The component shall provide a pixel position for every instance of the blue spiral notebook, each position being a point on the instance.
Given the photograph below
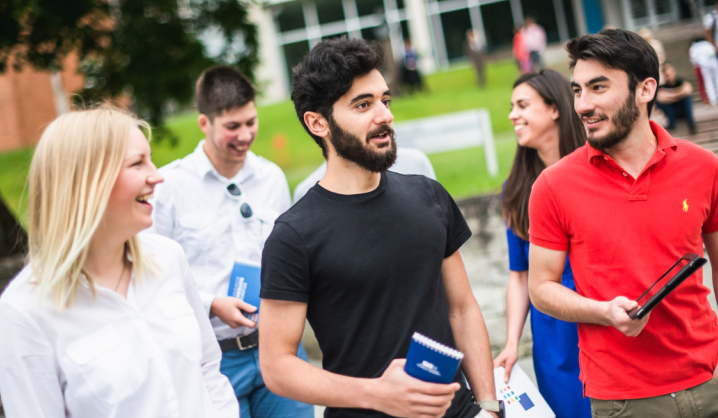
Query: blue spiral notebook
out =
(431, 361)
(244, 284)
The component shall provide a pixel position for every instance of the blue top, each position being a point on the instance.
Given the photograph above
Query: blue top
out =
(555, 350)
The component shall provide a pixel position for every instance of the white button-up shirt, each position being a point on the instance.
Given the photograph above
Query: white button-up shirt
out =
(193, 207)
(151, 355)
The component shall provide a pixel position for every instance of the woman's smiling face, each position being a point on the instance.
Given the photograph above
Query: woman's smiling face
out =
(535, 122)
(128, 210)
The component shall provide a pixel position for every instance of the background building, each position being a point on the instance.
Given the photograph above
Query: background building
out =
(288, 29)
(436, 28)
(29, 100)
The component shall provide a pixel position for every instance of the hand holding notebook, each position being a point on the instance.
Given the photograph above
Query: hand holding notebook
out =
(244, 284)
(397, 394)
(431, 361)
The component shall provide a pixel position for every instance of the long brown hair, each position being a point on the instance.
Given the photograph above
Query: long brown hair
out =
(555, 90)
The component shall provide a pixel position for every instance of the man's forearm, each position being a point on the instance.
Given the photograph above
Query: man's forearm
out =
(293, 378)
(563, 303)
(393, 393)
(682, 95)
(473, 340)
(668, 97)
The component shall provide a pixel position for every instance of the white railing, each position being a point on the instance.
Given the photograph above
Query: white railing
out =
(451, 131)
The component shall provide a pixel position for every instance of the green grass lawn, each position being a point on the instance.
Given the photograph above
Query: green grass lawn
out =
(463, 172)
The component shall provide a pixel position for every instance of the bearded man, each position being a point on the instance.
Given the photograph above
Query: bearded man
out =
(626, 207)
(369, 257)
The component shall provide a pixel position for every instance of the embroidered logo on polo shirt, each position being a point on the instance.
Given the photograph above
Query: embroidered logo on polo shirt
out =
(685, 205)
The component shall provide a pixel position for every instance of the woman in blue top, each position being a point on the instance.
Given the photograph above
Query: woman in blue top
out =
(548, 129)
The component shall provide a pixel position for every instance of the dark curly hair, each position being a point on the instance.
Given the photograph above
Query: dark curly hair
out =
(327, 73)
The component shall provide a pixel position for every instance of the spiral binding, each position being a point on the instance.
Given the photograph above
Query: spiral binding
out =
(437, 346)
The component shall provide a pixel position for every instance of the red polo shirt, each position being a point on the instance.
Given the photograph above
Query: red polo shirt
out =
(621, 235)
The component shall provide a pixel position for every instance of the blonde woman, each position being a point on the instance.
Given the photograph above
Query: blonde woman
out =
(104, 322)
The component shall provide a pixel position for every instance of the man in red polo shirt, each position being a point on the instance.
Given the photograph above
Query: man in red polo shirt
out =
(626, 207)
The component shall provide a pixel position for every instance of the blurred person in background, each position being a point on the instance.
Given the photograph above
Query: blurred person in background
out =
(657, 45)
(521, 55)
(674, 99)
(475, 51)
(548, 129)
(703, 56)
(411, 77)
(219, 203)
(534, 37)
(104, 322)
(710, 25)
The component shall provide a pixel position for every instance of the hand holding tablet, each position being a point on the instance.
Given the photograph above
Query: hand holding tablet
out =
(693, 263)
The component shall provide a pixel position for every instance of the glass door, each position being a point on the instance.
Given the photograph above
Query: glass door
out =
(651, 12)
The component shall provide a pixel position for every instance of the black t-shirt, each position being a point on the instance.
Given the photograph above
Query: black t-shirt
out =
(676, 83)
(369, 268)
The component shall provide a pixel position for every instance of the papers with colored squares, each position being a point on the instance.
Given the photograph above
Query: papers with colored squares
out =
(509, 396)
(521, 397)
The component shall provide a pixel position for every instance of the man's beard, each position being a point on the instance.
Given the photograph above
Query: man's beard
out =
(623, 124)
(350, 147)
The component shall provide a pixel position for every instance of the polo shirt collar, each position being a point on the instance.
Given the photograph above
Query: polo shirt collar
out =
(664, 139)
(200, 163)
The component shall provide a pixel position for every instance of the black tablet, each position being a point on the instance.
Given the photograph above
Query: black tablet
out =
(691, 263)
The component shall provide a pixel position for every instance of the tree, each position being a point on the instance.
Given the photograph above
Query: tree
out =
(148, 50)
(12, 237)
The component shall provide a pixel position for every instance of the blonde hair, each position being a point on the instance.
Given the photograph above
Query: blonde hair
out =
(73, 171)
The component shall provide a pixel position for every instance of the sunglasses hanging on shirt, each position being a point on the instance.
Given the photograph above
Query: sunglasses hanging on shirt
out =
(234, 191)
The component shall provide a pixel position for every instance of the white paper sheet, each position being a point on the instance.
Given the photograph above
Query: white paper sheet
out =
(521, 398)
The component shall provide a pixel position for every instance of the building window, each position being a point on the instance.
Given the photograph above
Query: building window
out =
(290, 17)
(544, 14)
(301, 24)
(373, 34)
(369, 7)
(329, 11)
(293, 54)
(639, 9)
(570, 21)
(498, 24)
(335, 36)
(455, 25)
(663, 7)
